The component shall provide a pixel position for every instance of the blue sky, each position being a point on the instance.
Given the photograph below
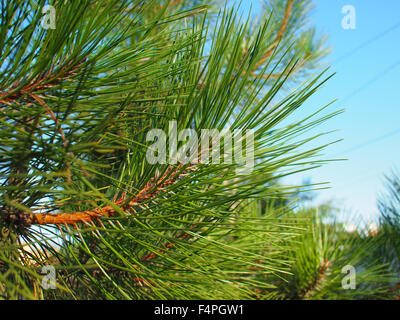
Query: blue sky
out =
(367, 86)
(367, 65)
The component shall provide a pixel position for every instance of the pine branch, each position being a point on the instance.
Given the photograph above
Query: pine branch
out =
(171, 237)
(153, 188)
(44, 81)
(281, 31)
(30, 92)
(318, 279)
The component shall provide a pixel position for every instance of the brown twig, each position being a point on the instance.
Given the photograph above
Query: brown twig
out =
(40, 82)
(282, 29)
(150, 190)
(318, 280)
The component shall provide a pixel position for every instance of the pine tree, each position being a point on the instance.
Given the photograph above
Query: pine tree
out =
(79, 92)
(389, 230)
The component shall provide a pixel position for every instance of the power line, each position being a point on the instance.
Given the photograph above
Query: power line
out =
(371, 81)
(371, 141)
(368, 83)
(367, 42)
(362, 145)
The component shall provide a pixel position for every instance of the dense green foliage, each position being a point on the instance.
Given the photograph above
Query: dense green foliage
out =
(78, 193)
